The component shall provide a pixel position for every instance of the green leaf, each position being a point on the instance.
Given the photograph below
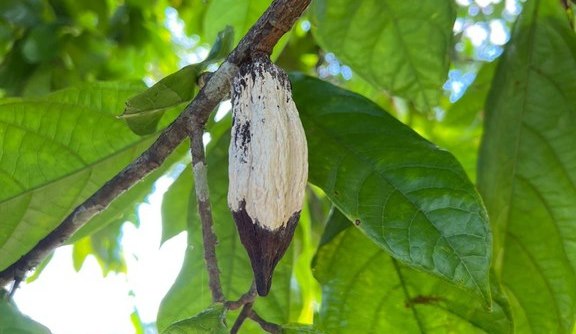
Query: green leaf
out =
(136, 320)
(41, 44)
(407, 195)
(14, 71)
(177, 200)
(222, 46)
(210, 320)
(56, 152)
(467, 110)
(241, 15)
(336, 223)
(176, 204)
(82, 248)
(144, 111)
(39, 269)
(192, 12)
(25, 13)
(401, 46)
(106, 246)
(128, 26)
(124, 208)
(6, 31)
(39, 83)
(14, 322)
(527, 169)
(300, 329)
(306, 290)
(367, 291)
(461, 129)
(190, 293)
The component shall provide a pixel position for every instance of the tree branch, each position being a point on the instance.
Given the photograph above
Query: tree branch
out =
(262, 37)
(204, 209)
(267, 326)
(246, 298)
(246, 310)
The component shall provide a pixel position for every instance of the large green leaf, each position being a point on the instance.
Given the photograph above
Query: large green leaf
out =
(190, 293)
(144, 111)
(177, 200)
(367, 291)
(12, 321)
(209, 321)
(300, 329)
(407, 195)
(105, 245)
(401, 46)
(176, 204)
(241, 15)
(527, 169)
(57, 151)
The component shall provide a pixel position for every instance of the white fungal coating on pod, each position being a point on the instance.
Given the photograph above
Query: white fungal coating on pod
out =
(268, 165)
(268, 154)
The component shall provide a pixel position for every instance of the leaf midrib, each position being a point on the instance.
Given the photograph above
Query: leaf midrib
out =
(87, 167)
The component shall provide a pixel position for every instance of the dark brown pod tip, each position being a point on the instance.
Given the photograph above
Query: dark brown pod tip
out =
(265, 247)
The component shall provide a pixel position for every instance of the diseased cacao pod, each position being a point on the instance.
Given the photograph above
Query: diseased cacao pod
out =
(268, 165)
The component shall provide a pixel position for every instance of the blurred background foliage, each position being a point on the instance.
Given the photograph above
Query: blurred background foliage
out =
(46, 45)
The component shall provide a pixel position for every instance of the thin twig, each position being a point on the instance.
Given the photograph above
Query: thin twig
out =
(245, 313)
(204, 209)
(262, 37)
(246, 298)
(15, 286)
(267, 326)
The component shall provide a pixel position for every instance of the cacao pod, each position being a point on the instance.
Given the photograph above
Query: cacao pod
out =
(268, 165)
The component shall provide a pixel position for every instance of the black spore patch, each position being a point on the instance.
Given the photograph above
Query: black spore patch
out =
(256, 67)
(265, 247)
(241, 138)
(245, 136)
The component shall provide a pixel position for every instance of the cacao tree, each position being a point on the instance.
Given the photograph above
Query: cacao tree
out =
(441, 176)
